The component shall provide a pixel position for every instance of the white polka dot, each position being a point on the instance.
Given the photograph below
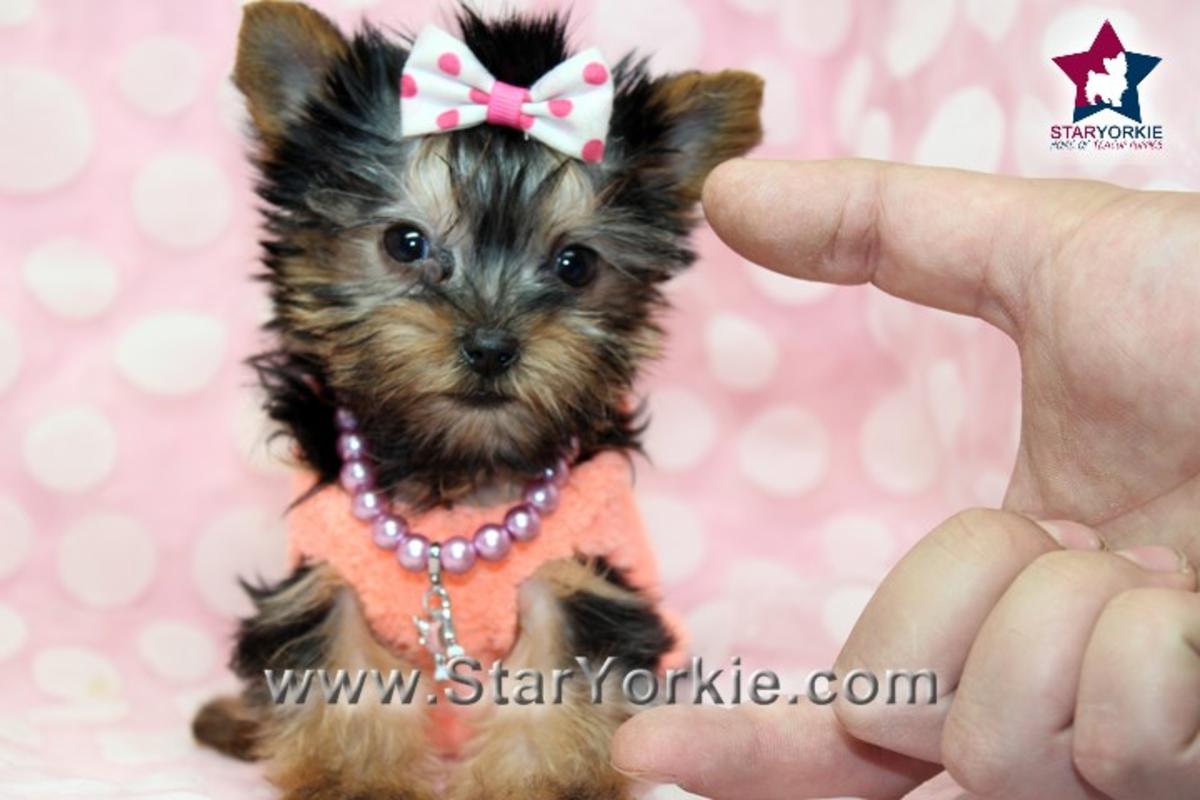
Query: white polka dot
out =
(771, 596)
(161, 75)
(842, 609)
(182, 200)
(76, 673)
(784, 450)
(786, 290)
(898, 446)
(990, 487)
(231, 107)
(947, 398)
(889, 319)
(713, 627)
(97, 710)
(252, 432)
(16, 12)
(46, 133)
(851, 98)
(781, 100)
(107, 560)
(916, 33)
(668, 30)
(757, 6)
(966, 132)
(678, 534)
(173, 783)
(19, 730)
(958, 324)
(992, 18)
(16, 536)
(874, 135)
(682, 429)
(741, 354)
(13, 632)
(53, 786)
(858, 546)
(71, 449)
(177, 650)
(142, 748)
(68, 788)
(242, 543)
(815, 29)
(1033, 121)
(672, 793)
(1165, 184)
(10, 353)
(70, 278)
(172, 353)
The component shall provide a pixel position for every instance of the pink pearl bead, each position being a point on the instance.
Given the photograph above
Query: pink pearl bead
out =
(367, 505)
(388, 531)
(413, 552)
(351, 446)
(542, 496)
(458, 555)
(492, 542)
(356, 476)
(522, 523)
(556, 474)
(345, 420)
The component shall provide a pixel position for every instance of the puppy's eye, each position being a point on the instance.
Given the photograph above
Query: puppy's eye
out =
(405, 243)
(575, 265)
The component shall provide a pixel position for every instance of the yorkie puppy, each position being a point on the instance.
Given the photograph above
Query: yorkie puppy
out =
(466, 241)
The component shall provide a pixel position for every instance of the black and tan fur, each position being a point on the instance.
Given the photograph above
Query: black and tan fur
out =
(385, 338)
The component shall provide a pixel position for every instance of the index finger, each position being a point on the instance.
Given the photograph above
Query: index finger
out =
(955, 240)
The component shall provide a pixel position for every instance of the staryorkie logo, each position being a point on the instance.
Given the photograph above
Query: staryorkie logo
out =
(1106, 77)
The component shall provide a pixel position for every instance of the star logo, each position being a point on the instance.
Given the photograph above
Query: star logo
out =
(1106, 75)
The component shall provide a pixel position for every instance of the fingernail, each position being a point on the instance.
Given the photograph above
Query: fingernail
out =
(1156, 558)
(1072, 535)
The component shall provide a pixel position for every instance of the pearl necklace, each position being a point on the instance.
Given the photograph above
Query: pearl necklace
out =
(457, 555)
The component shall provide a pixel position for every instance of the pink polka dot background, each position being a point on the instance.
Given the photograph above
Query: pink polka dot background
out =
(804, 436)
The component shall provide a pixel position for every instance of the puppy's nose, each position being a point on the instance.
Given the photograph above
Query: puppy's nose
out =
(490, 352)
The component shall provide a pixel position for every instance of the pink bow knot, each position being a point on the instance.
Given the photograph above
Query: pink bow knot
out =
(504, 106)
(444, 87)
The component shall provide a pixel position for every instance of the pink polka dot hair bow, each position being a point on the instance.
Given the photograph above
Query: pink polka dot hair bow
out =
(445, 88)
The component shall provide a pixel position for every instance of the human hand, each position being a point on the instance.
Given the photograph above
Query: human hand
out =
(1096, 286)
(1064, 671)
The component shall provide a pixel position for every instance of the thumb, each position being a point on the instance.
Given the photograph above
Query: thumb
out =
(760, 753)
(960, 241)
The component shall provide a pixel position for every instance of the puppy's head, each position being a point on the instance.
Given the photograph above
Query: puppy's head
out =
(476, 298)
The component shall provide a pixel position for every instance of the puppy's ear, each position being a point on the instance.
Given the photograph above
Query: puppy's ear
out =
(706, 118)
(285, 50)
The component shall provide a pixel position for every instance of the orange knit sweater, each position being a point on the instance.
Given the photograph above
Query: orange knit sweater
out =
(597, 516)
